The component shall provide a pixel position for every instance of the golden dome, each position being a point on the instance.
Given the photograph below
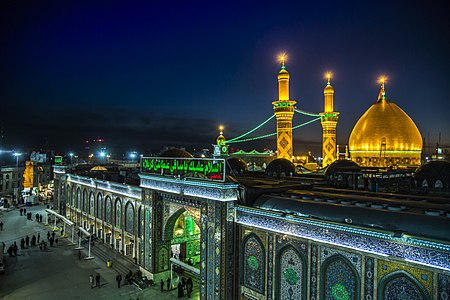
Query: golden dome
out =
(385, 135)
(220, 140)
(283, 74)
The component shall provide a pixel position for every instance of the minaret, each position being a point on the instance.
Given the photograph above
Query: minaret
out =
(284, 111)
(329, 119)
(221, 143)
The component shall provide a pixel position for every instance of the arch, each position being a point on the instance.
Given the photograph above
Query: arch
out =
(118, 213)
(91, 206)
(69, 195)
(168, 228)
(339, 279)
(401, 285)
(291, 274)
(78, 205)
(424, 183)
(108, 210)
(129, 217)
(254, 263)
(100, 206)
(438, 184)
(84, 207)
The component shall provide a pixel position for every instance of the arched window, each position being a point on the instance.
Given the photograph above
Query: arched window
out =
(118, 215)
(339, 279)
(91, 204)
(401, 285)
(84, 208)
(129, 220)
(79, 198)
(69, 196)
(254, 263)
(100, 206)
(108, 210)
(438, 184)
(291, 275)
(424, 183)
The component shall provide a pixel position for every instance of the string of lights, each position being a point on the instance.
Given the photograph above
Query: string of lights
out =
(306, 113)
(256, 128)
(270, 134)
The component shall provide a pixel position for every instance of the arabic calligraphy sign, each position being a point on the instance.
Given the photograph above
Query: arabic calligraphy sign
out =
(198, 168)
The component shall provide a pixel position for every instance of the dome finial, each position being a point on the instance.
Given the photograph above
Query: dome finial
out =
(221, 129)
(282, 59)
(382, 94)
(328, 76)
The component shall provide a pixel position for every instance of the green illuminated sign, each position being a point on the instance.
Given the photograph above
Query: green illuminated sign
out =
(58, 159)
(199, 168)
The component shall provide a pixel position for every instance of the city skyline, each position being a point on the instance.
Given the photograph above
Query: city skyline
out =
(150, 75)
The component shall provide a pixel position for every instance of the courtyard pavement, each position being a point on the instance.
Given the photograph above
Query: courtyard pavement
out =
(58, 273)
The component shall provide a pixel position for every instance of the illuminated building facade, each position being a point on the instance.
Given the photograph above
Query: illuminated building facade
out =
(284, 112)
(329, 119)
(385, 136)
(265, 240)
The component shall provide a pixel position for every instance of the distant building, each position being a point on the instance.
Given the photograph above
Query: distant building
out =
(11, 181)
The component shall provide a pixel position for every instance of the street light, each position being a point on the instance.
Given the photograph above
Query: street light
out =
(17, 154)
(71, 155)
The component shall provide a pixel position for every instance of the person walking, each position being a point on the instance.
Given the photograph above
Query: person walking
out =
(22, 244)
(51, 241)
(21, 211)
(91, 281)
(38, 237)
(180, 290)
(162, 285)
(48, 235)
(97, 280)
(118, 279)
(33, 240)
(27, 241)
(1, 225)
(168, 283)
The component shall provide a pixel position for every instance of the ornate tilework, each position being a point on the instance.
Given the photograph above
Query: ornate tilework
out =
(270, 267)
(369, 279)
(339, 279)
(108, 210)
(313, 280)
(254, 263)
(129, 221)
(353, 258)
(291, 271)
(401, 286)
(443, 287)
(423, 277)
(413, 249)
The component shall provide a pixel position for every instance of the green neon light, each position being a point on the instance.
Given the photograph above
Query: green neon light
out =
(272, 134)
(58, 159)
(306, 113)
(210, 168)
(256, 128)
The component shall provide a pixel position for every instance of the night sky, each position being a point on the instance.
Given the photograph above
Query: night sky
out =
(146, 74)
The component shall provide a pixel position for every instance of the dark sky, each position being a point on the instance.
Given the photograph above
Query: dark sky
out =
(146, 74)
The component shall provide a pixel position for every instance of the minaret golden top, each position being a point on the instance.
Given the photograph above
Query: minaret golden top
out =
(382, 94)
(328, 76)
(221, 129)
(282, 59)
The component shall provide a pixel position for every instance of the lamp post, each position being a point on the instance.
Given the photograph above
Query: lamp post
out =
(71, 156)
(17, 154)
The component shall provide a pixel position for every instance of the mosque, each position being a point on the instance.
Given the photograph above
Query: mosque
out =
(276, 235)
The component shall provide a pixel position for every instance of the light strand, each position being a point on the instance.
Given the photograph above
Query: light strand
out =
(257, 127)
(306, 113)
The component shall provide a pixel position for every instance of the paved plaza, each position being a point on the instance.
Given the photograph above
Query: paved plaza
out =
(58, 273)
